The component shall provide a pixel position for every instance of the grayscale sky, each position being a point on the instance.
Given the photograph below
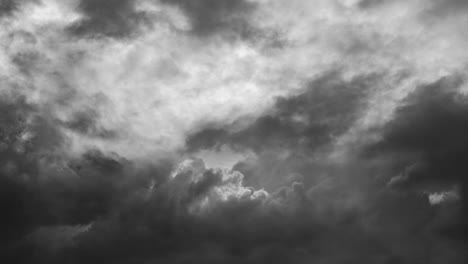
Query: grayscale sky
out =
(233, 131)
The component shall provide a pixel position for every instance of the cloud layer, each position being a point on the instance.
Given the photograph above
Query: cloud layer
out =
(344, 121)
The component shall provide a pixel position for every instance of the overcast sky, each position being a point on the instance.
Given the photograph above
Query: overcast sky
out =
(233, 131)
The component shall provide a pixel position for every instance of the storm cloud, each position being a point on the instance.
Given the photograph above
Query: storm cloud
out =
(243, 131)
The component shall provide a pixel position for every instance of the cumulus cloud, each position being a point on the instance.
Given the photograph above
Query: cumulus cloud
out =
(243, 131)
(200, 214)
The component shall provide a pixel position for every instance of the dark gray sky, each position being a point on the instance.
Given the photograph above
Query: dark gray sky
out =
(233, 131)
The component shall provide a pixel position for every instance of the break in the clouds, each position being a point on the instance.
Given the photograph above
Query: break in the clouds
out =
(241, 131)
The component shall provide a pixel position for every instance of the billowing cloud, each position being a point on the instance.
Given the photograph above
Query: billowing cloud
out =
(243, 131)
(428, 135)
(326, 109)
(200, 214)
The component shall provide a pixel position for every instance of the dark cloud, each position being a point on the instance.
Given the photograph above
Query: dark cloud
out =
(298, 129)
(87, 123)
(69, 193)
(8, 6)
(25, 141)
(369, 3)
(115, 18)
(431, 125)
(158, 225)
(428, 133)
(288, 202)
(101, 207)
(324, 111)
(430, 11)
(41, 187)
(25, 136)
(213, 16)
(444, 9)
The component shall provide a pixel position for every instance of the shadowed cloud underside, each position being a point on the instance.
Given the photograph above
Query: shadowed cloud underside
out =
(233, 131)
